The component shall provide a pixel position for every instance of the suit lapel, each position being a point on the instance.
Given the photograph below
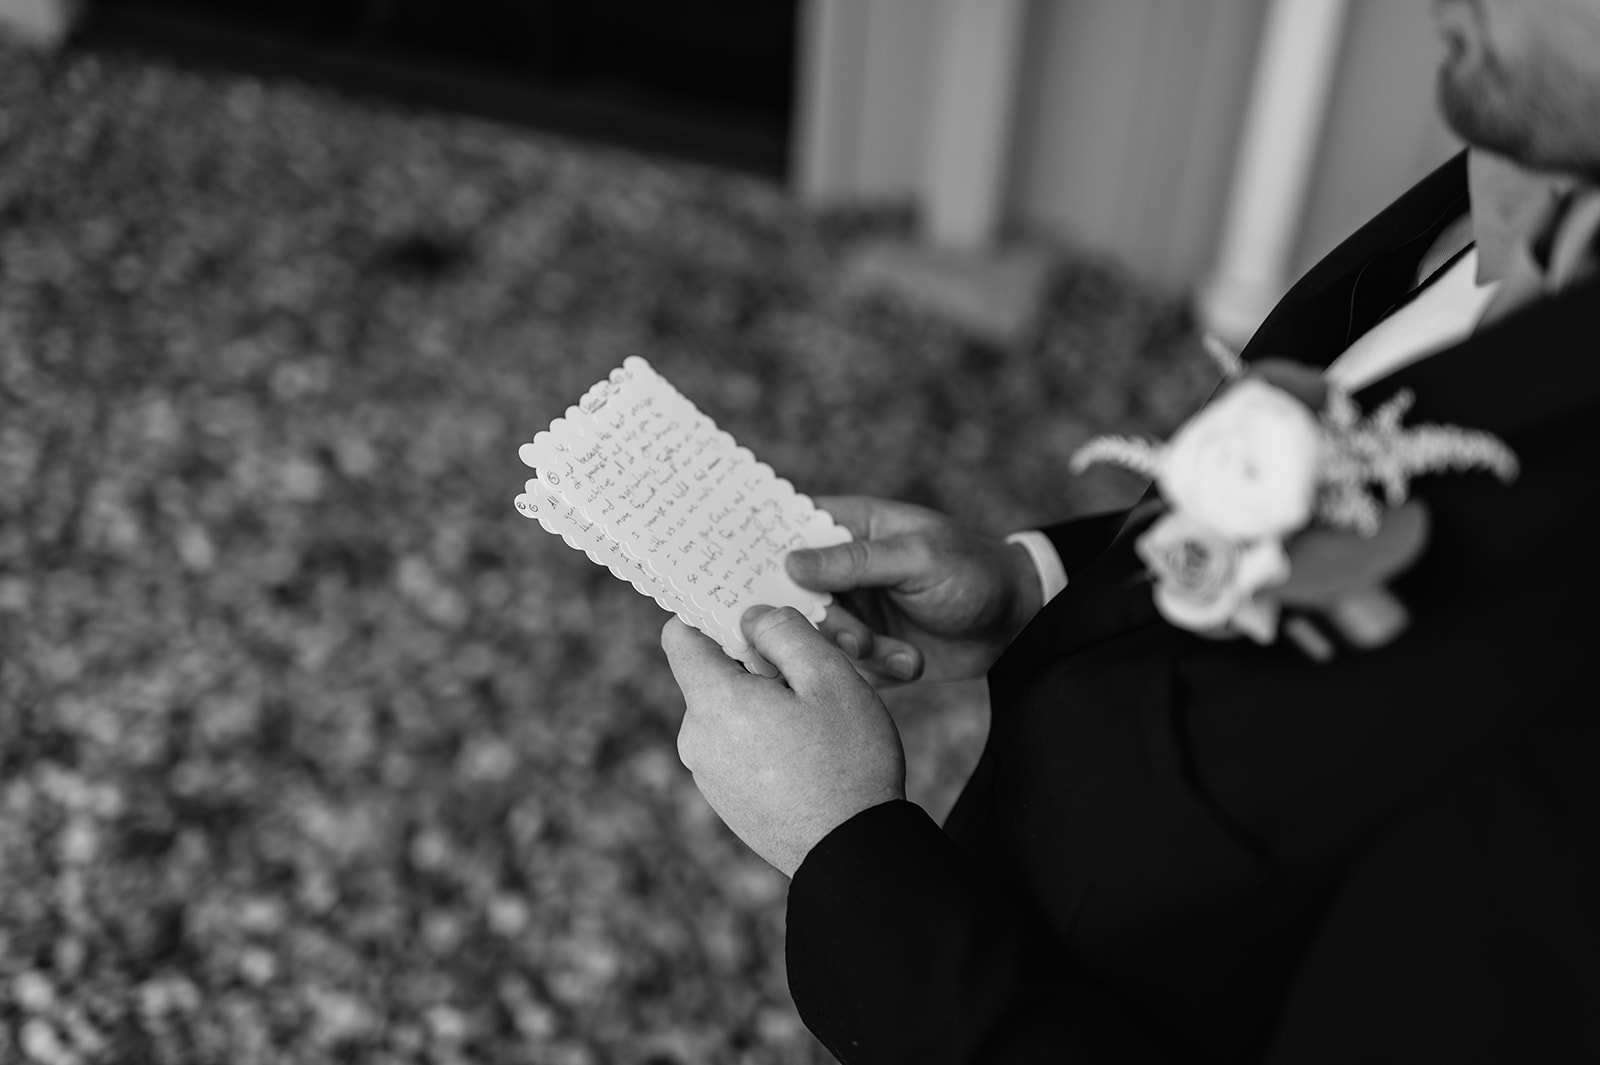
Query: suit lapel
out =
(1346, 291)
(1529, 370)
(1531, 379)
(1355, 284)
(1533, 368)
(1108, 598)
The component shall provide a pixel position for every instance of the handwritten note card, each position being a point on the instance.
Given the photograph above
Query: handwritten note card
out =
(636, 477)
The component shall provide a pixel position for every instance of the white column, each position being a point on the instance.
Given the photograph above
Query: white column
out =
(968, 135)
(1283, 128)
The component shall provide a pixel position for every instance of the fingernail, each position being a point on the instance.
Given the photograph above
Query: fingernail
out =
(751, 616)
(849, 644)
(800, 561)
(900, 664)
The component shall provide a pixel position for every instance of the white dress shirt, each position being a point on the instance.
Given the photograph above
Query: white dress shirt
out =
(1440, 316)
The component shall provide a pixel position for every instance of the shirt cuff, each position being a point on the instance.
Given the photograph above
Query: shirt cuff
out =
(1052, 574)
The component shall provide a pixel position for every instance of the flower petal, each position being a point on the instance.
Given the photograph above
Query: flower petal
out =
(1246, 465)
(1258, 619)
(1262, 565)
(1194, 614)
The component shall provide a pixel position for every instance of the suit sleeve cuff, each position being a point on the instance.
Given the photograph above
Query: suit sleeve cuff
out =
(1046, 561)
(885, 919)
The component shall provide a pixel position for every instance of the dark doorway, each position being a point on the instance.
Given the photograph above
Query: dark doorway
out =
(708, 80)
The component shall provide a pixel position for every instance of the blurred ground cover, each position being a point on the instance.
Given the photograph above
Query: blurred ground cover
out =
(311, 748)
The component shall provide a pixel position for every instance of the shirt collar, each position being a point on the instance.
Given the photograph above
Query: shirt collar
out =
(1508, 203)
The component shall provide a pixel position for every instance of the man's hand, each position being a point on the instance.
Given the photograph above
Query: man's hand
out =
(782, 761)
(918, 595)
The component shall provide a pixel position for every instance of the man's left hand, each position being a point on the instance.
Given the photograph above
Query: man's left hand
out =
(786, 760)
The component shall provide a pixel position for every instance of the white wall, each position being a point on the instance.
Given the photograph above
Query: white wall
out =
(1127, 121)
(1384, 132)
(1130, 112)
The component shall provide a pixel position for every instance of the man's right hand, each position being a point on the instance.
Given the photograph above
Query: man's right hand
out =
(917, 596)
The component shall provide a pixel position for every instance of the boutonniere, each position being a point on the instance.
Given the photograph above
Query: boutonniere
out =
(1281, 493)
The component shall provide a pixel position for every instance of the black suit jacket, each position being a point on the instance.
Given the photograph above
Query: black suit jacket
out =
(1176, 849)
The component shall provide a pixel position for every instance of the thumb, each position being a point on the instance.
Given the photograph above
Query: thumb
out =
(697, 661)
(785, 638)
(857, 564)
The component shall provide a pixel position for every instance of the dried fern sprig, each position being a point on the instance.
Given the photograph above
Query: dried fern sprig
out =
(1392, 458)
(1226, 358)
(1348, 505)
(1378, 450)
(1134, 453)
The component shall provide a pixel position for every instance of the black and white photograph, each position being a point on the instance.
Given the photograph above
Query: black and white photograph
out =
(782, 532)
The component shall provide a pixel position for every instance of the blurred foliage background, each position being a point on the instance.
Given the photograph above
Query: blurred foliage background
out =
(311, 748)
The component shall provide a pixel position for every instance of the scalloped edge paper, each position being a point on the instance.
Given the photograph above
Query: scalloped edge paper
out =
(589, 482)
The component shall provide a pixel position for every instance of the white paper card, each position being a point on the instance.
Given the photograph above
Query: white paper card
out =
(644, 483)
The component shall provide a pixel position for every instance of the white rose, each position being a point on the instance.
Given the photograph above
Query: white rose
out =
(1207, 582)
(1247, 464)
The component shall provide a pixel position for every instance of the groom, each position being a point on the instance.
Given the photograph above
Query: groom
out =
(1179, 848)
